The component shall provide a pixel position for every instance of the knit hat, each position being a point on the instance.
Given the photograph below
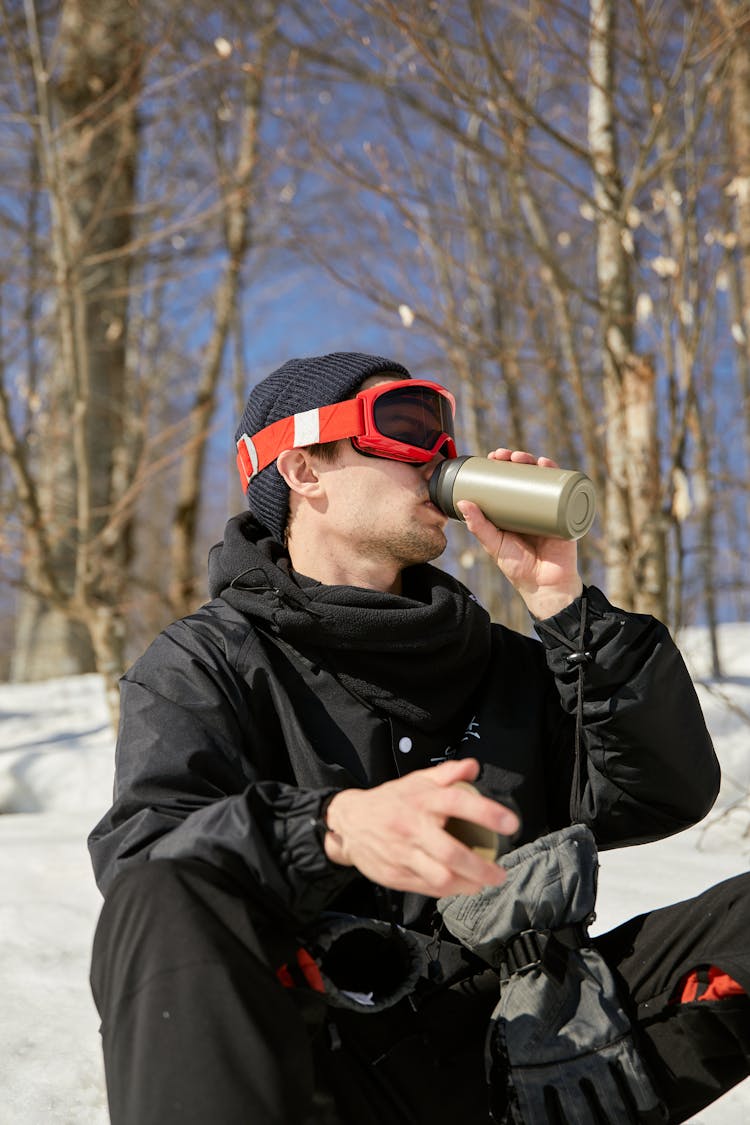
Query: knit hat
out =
(300, 384)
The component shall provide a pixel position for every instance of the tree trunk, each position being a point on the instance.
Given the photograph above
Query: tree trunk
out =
(635, 551)
(237, 224)
(615, 297)
(644, 489)
(87, 137)
(735, 16)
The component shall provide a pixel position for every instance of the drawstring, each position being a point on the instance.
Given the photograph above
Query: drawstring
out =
(578, 658)
(255, 580)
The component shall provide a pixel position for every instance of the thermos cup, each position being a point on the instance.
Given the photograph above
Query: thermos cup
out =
(486, 843)
(528, 499)
(483, 841)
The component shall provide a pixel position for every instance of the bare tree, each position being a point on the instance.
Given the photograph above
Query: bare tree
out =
(530, 200)
(636, 565)
(735, 19)
(236, 221)
(119, 379)
(85, 133)
(561, 122)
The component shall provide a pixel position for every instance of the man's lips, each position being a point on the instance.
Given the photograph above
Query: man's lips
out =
(434, 508)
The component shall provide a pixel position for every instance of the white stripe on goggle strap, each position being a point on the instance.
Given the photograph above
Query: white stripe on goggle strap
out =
(252, 453)
(306, 428)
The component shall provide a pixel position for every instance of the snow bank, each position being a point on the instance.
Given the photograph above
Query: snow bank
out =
(56, 759)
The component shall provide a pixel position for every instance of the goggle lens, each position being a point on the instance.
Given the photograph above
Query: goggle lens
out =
(413, 415)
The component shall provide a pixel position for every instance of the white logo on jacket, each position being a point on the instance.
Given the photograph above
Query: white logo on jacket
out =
(472, 731)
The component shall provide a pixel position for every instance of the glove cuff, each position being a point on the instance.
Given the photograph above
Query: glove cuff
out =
(365, 965)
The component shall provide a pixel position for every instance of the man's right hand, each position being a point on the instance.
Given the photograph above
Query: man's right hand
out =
(394, 834)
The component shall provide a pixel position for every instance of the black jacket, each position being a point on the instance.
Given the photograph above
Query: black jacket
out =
(240, 719)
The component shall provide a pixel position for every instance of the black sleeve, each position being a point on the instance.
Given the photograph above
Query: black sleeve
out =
(648, 762)
(188, 783)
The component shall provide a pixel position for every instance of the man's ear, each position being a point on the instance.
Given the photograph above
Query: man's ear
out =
(297, 469)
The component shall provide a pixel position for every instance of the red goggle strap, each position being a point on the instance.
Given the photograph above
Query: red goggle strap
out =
(309, 427)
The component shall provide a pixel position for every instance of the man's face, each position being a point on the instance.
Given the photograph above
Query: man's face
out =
(381, 509)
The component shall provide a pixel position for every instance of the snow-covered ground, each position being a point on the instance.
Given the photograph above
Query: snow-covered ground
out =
(55, 779)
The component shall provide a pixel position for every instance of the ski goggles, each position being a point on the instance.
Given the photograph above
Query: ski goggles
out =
(411, 420)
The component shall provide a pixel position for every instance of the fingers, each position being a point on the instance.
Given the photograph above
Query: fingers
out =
(395, 833)
(448, 773)
(521, 457)
(437, 792)
(468, 804)
(446, 867)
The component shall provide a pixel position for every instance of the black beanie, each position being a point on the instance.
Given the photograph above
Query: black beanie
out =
(300, 384)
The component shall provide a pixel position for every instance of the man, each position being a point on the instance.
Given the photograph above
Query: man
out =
(288, 762)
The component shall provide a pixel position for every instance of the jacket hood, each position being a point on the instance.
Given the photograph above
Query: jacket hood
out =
(251, 570)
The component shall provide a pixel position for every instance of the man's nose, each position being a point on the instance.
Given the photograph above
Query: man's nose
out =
(429, 467)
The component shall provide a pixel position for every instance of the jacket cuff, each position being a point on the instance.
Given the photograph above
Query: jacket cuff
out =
(315, 879)
(568, 620)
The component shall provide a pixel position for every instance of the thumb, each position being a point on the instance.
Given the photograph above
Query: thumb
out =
(489, 536)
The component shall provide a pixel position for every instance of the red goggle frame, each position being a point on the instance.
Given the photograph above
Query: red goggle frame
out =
(410, 420)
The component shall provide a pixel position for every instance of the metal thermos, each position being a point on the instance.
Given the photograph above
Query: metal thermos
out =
(483, 841)
(529, 499)
(486, 843)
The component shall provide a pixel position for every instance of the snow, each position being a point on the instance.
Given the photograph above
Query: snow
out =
(56, 759)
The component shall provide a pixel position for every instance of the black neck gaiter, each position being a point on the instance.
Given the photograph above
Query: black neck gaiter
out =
(418, 656)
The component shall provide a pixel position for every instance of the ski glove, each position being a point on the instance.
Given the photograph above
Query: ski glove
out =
(560, 1048)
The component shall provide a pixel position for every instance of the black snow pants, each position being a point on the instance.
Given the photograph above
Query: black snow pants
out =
(198, 1030)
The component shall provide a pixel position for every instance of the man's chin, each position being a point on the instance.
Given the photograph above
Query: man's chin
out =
(429, 547)
(408, 547)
